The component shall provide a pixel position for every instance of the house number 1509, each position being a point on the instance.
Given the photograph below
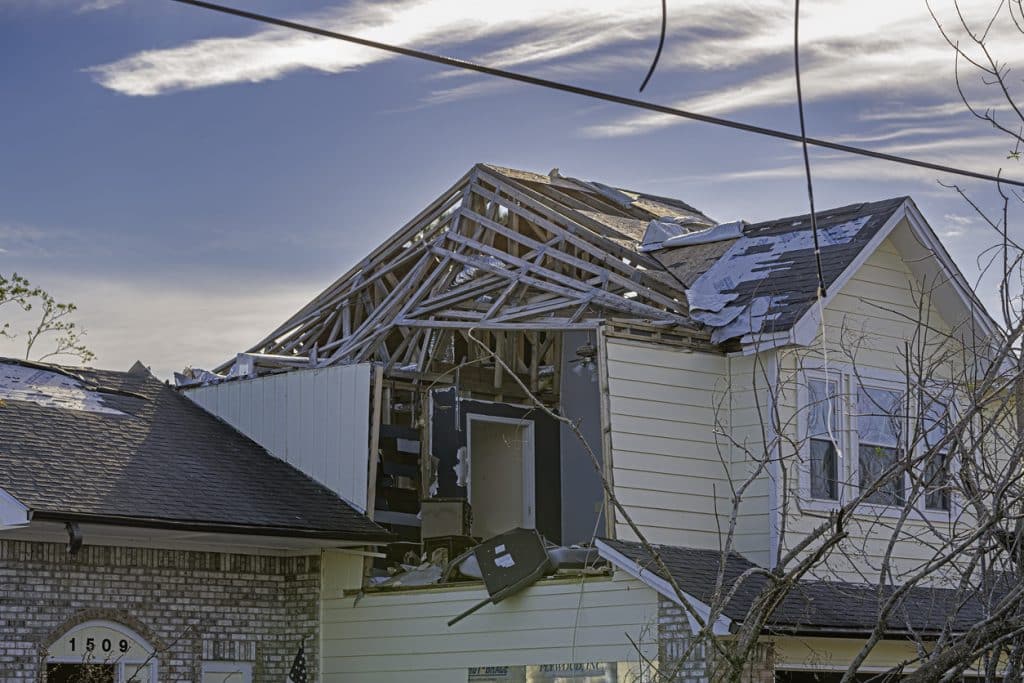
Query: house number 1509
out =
(105, 645)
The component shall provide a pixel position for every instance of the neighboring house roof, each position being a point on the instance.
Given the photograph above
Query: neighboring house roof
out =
(810, 607)
(504, 249)
(124, 448)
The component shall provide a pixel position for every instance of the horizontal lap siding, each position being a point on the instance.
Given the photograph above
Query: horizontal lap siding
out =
(670, 468)
(750, 415)
(403, 636)
(869, 319)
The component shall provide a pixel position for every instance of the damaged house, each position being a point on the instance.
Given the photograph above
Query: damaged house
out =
(528, 344)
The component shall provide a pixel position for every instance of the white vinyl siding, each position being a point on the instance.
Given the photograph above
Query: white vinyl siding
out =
(403, 635)
(315, 420)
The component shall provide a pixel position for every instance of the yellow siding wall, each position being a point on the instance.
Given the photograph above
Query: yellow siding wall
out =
(674, 466)
(750, 411)
(403, 636)
(670, 468)
(870, 319)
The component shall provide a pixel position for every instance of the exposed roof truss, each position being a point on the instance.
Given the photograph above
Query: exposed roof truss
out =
(500, 250)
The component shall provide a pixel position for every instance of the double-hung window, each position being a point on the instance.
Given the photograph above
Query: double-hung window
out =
(879, 430)
(935, 417)
(823, 425)
(869, 419)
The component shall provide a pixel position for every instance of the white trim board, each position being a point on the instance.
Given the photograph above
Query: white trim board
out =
(13, 513)
(917, 247)
(722, 625)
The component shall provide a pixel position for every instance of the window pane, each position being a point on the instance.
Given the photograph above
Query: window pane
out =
(936, 424)
(936, 480)
(821, 408)
(824, 468)
(878, 416)
(874, 461)
(74, 673)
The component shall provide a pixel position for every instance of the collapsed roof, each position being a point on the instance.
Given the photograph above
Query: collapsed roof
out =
(78, 444)
(512, 250)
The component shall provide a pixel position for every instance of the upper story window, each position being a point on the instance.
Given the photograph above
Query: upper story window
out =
(879, 431)
(857, 431)
(822, 425)
(937, 463)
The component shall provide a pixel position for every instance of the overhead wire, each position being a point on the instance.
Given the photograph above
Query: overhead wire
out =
(821, 290)
(661, 45)
(598, 94)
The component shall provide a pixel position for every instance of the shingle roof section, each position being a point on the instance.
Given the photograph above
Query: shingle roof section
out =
(765, 281)
(162, 461)
(812, 605)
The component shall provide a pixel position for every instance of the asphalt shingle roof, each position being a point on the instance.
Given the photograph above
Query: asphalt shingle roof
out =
(163, 461)
(786, 277)
(830, 606)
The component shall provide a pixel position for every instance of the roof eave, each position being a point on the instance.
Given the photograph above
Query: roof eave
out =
(369, 537)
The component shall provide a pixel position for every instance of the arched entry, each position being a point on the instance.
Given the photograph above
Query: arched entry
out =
(101, 651)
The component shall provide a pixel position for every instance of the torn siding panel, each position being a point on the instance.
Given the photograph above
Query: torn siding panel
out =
(669, 468)
(315, 420)
(402, 635)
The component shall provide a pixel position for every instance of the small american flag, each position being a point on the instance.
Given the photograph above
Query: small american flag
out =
(297, 674)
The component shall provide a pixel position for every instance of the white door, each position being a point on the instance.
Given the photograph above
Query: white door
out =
(501, 491)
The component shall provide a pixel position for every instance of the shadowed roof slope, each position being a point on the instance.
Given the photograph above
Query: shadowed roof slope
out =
(122, 447)
(812, 606)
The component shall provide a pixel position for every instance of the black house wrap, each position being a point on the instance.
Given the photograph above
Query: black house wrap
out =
(447, 438)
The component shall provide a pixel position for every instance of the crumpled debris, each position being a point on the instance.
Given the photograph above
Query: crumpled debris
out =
(195, 376)
(461, 467)
(413, 575)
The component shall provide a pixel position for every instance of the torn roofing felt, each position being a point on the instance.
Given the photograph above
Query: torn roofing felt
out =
(122, 447)
(765, 280)
(811, 606)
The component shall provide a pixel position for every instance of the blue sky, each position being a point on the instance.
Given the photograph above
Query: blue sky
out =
(190, 179)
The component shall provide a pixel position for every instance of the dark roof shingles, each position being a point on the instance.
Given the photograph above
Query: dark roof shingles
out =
(812, 605)
(164, 460)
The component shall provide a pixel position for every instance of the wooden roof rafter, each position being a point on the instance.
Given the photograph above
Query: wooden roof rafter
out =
(491, 253)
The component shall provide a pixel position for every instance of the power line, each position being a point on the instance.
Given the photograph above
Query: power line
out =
(661, 44)
(597, 94)
(803, 144)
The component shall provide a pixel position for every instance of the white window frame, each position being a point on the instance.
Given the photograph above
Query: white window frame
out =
(227, 667)
(848, 440)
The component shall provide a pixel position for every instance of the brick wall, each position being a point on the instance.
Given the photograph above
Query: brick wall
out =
(681, 660)
(190, 605)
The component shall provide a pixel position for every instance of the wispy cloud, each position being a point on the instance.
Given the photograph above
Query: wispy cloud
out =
(99, 5)
(577, 26)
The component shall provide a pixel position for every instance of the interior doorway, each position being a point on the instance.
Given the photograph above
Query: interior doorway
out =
(501, 474)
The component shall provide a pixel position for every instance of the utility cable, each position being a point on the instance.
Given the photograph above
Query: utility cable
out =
(803, 144)
(661, 44)
(598, 94)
